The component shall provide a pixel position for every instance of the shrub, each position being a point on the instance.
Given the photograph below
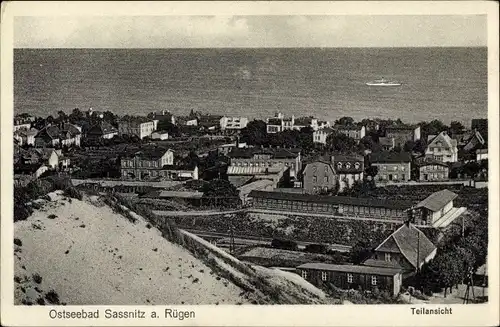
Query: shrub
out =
(18, 242)
(52, 216)
(52, 297)
(40, 301)
(37, 278)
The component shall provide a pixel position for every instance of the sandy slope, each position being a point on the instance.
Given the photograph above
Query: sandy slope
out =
(92, 256)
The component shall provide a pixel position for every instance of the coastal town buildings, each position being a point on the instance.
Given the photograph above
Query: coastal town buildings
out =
(209, 122)
(387, 143)
(151, 164)
(432, 170)
(280, 123)
(481, 126)
(267, 157)
(442, 148)
(136, 126)
(391, 211)
(21, 124)
(25, 137)
(349, 169)
(407, 249)
(164, 115)
(355, 132)
(102, 130)
(481, 154)
(159, 135)
(279, 175)
(436, 210)
(321, 135)
(97, 114)
(63, 134)
(392, 166)
(233, 123)
(403, 134)
(353, 277)
(319, 177)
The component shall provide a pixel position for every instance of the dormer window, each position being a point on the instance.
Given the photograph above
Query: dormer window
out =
(357, 165)
(314, 168)
(348, 165)
(339, 165)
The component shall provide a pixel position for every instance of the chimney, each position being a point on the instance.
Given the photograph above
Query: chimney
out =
(332, 159)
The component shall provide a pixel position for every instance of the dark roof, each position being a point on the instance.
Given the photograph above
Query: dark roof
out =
(274, 121)
(135, 119)
(437, 200)
(381, 263)
(102, 128)
(303, 121)
(390, 157)
(400, 127)
(276, 153)
(352, 269)
(426, 161)
(386, 141)
(407, 239)
(367, 202)
(152, 154)
(26, 168)
(347, 127)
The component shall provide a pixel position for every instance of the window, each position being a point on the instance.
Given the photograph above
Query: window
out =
(323, 275)
(349, 278)
(356, 165)
(339, 165)
(304, 274)
(348, 165)
(384, 167)
(315, 179)
(374, 280)
(325, 179)
(395, 167)
(387, 257)
(403, 168)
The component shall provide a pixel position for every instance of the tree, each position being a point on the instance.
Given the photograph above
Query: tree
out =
(345, 121)
(448, 270)
(220, 192)
(456, 127)
(76, 115)
(306, 138)
(371, 171)
(340, 143)
(432, 128)
(360, 252)
(165, 125)
(255, 133)
(110, 117)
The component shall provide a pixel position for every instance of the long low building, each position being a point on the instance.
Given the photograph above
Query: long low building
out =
(335, 205)
(353, 277)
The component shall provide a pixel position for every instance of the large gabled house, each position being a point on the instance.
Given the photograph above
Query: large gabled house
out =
(102, 130)
(64, 134)
(406, 248)
(155, 164)
(442, 148)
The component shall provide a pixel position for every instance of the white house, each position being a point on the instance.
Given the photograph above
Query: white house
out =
(138, 126)
(481, 154)
(233, 123)
(159, 135)
(442, 148)
(320, 135)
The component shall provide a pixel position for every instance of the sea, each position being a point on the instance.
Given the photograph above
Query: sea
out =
(327, 83)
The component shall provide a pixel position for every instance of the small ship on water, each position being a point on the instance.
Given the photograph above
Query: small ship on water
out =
(383, 82)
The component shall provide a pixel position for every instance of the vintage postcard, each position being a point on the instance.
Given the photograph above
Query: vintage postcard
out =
(249, 163)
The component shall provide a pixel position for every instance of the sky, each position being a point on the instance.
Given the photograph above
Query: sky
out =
(249, 31)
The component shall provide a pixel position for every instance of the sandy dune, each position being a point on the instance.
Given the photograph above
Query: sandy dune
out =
(92, 256)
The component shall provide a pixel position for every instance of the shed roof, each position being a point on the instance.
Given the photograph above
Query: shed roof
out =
(411, 242)
(437, 200)
(382, 271)
(366, 202)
